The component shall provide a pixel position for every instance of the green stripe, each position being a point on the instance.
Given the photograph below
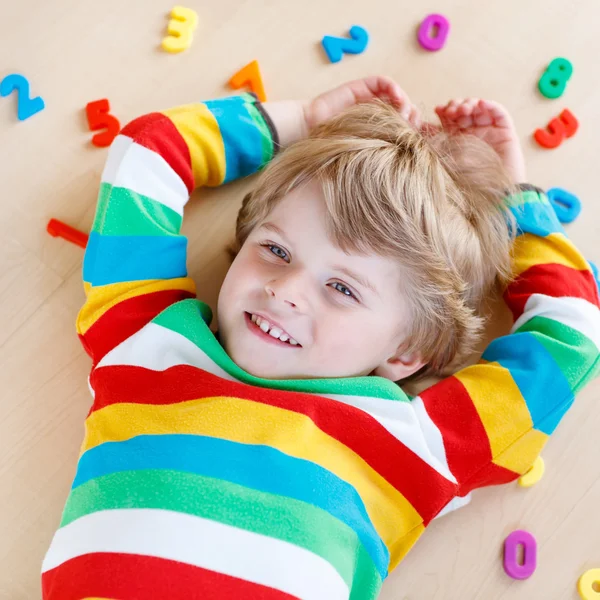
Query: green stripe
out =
(265, 132)
(124, 212)
(572, 351)
(183, 319)
(526, 197)
(286, 519)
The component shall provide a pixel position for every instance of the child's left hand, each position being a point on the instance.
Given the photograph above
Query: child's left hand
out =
(490, 122)
(335, 101)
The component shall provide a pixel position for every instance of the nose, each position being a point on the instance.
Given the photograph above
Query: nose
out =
(287, 288)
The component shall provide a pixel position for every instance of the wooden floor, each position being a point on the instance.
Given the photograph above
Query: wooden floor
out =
(76, 51)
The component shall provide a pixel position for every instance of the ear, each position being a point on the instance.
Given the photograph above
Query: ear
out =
(399, 367)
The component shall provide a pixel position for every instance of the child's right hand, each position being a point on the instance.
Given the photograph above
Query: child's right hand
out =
(490, 122)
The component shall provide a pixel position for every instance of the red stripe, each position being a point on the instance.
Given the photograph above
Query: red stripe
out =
(126, 318)
(158, 133)
(491, 474)
(138, 577)
(450, 407)
(420, 484)
(552, 280)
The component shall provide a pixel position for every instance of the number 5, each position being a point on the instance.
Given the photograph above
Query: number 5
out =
(98, 117)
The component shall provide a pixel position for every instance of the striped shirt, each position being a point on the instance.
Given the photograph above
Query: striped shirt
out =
(199, 480)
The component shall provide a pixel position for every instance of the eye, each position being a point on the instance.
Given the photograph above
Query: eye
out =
(343, 289)
(278, 251)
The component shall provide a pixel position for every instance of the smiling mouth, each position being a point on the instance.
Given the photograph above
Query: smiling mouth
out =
(270, 332)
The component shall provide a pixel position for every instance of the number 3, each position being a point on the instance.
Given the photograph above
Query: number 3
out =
(180, 29)
(98, 117)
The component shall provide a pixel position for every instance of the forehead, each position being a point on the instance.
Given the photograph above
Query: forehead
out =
(300, 218)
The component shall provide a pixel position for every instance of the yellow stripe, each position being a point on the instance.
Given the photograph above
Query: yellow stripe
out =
(200, 131)
(530, 250)
(248, 422)
(520, 455)
(102, 298)
(491, 388)
(404, 545)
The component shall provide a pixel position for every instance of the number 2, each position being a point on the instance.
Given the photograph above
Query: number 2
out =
(26, 106)
(335, 46)
(98, 117)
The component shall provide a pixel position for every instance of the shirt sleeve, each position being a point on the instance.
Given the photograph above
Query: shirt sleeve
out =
(490, 421)
(135, 261)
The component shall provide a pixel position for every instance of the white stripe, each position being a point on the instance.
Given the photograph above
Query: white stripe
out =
(201, 542)
(432, 433)
(158, 348)
(130, 165)
(454, 504)
(403, 421)
(577, 313)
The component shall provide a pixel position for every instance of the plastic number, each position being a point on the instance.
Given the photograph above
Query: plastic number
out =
(567, 206)
(98, 117)
(57, 228)
(511, 565)
(585, 585)
(180, 29)
(335, 47)
(431, 23)
(250, 76)
(534, 474)
(26, 106)
(554, 80)
(557, 130)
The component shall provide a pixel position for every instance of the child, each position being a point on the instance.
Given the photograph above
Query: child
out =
(281, 460)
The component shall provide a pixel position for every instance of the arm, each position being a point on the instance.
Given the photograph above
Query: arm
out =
(135, 261)
(493, 419)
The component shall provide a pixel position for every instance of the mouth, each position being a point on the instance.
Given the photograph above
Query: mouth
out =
(269, 332)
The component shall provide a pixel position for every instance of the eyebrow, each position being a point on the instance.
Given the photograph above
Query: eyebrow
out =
(272, 227)
(362, 281)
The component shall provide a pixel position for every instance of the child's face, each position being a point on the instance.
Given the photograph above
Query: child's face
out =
(345, 311)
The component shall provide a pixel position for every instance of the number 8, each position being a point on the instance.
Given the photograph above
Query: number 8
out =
(554, 80)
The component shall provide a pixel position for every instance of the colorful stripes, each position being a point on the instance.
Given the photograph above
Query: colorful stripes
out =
(197, 479)
(256, 467)
(109, 575)
(202, 543)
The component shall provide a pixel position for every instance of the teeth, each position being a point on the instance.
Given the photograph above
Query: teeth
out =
(272, 330)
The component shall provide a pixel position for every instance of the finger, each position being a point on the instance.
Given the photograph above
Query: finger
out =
(482, 117)
(466, 108)
(497, 112)
(382, 86)
(465, 121)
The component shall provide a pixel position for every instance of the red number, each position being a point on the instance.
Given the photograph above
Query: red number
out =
(557, 130)
(99, 118)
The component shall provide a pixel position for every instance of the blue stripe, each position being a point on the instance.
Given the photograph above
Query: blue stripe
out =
(241, 137)
(113, 259)
(537, 218)
(258, 467)
(536, 373)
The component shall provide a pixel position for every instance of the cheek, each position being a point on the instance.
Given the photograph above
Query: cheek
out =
(242, 278)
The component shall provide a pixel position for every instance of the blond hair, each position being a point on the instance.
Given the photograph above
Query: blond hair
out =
(433, 201)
